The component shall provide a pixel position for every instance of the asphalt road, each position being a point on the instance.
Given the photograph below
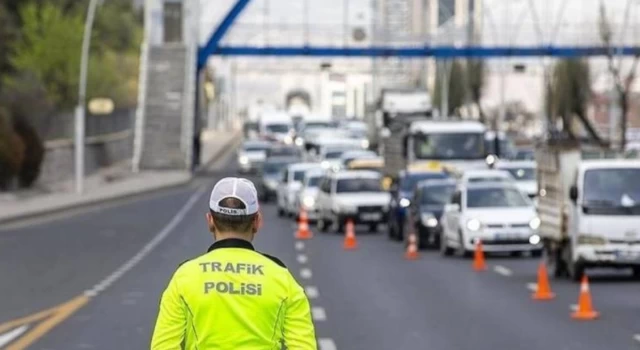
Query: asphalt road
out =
(371, 298)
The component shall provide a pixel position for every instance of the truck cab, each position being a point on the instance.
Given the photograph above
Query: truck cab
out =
(589, 212)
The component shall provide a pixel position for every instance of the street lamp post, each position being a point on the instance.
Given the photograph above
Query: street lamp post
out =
(82, 92)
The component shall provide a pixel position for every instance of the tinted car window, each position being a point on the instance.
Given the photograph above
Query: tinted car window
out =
(314, 181)
(333, 154)
(298, 175)
(437, 194)
(279, 128)
(410, 181)
(487, 179)
(274, 168)
(496, 198)
(255, 148)
(282, 152)
(358, 185)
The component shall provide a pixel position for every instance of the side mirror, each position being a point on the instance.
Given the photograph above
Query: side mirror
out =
(573, 193)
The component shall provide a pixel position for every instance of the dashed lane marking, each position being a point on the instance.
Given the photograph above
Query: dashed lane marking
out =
(306, 273)
(532, 287)
(312, 292)
(327, 344)
(299, 245)
(636, 337)
(501, 270)
(318, 314)
(11, 335)
(302, 259)
(40, 323)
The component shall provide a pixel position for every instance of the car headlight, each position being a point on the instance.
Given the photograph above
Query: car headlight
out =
(271, 184)
(534, 223)
(591, 240)
(474, 225)
(428, 220)
(325, 164)
(299, 141)
(404, 202)
(364, 144)
(336, 168)
(534, 239)
(288, 140)
(243, 160)
(308, 201)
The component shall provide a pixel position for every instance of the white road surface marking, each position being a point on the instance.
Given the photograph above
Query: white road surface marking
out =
(532, 287)
(299, 245)
(306, 273)
(302, 259)
(148, 248)
(10, 336)
(636, 337)
(501, 270)
(318, 314)
(327, 344)
(312, 292)
(573, 307)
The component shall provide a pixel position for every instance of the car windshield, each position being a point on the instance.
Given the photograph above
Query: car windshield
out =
(437, 194)
(507, 148)
(487, 179)
(611, 192)
(524, 154)
(283, 151)
(298, 175)
(449, 146)
(274, 167)
(522, 174)
(358, 185)
(333, 154)
(358, 133)
(408, 183)
(255, 148)
(496, 198)
(278, 128)
(317, 125)
(314, 181)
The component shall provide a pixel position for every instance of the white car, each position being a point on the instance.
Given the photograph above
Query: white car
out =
(289, 185)
(524, 172)
(252, 155)
(306, 197)
(485, 175)
(496, 213)
(351, 195)
(330, 155)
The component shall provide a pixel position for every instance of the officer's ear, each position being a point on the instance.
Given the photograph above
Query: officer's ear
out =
(257, 222)
(210, 222)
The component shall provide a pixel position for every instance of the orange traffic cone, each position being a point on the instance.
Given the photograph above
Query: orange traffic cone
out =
(543, 292)
(412, 248)
(303, 226)
(350, 242)
(585, 309)
(478, 258)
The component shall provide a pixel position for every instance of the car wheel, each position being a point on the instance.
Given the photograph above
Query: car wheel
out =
(445, 250)
(465, 253)
(536, 253)
(373, 228)
(515, 254)
(280, 212)
(576, 271)
(322, 225)
(636, 272)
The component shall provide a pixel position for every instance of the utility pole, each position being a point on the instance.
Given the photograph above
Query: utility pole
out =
(82, 96)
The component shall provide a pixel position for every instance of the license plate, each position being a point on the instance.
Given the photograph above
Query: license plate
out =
(370, 217)
(506, 236)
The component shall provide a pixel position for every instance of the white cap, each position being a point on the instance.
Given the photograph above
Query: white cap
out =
(238, 188)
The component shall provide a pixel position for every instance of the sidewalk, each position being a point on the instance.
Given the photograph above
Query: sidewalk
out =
(109, 184)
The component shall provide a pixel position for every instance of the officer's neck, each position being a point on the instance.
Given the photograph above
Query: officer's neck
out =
(219, 236)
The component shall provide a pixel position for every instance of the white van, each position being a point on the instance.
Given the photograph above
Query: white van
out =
(277, 126)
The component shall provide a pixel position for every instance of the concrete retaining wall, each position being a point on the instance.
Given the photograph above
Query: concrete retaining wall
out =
(101, 151)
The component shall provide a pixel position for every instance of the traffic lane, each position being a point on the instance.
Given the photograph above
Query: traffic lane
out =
(614, 293)
(376, 299)
(123, 316)
(49, 263)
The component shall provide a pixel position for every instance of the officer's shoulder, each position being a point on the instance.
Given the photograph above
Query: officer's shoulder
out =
(274, 259)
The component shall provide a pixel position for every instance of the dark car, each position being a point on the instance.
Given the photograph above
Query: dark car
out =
(270, 172)
(426, 210)
(283, 151)
(401, 194)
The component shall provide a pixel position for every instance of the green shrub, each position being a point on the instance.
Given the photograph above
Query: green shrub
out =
(33, 152)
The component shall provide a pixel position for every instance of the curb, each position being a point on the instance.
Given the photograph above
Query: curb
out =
(233, 141)
(88, 201)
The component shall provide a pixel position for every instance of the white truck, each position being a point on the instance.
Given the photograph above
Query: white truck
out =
(589, 210)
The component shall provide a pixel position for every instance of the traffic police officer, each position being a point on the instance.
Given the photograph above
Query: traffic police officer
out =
(233, 297)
